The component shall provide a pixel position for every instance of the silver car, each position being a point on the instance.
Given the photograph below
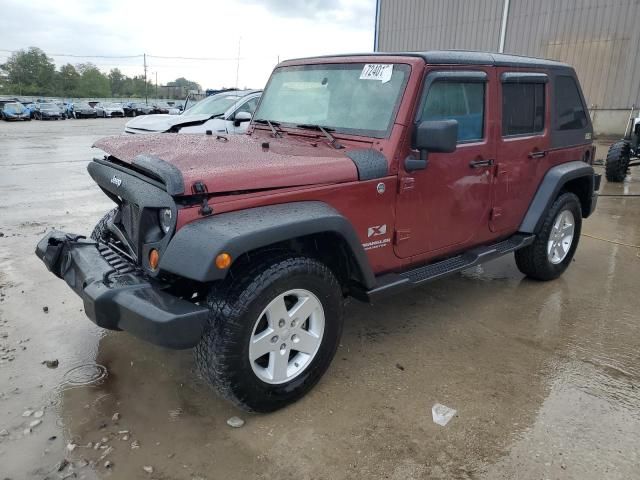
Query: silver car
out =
(109, 110)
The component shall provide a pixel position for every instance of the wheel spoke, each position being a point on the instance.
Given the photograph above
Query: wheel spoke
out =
(278, 364)
(261, 344)
(306, 342)
(303, 309)
(276, 311)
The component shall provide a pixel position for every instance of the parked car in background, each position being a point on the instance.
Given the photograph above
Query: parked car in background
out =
(32, 109)
(84, 110)
(109, 110)
(68, 109)
(128, 109)
(161, 107)
(14, 111)
(222, 113)
(140, 108)
(48, 111)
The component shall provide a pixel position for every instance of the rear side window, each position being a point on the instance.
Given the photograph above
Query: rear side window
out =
(461, 101)
(522, 108)
(570, 111)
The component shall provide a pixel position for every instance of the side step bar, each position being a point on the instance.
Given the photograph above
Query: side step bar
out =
(391, 283)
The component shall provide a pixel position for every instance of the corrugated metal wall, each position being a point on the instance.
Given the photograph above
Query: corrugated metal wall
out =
(439, 24)
(600, 38)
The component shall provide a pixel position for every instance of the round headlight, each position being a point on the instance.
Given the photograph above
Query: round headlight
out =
(166, 219)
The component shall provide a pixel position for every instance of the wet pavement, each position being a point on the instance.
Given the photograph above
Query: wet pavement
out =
(545, 377)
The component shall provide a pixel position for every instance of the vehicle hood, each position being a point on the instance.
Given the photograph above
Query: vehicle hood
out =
(162, 122)
(236, 162)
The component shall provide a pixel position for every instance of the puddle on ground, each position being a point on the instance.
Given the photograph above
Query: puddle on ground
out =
(82, 375)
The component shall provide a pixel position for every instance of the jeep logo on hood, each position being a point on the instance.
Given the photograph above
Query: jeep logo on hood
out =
(116, 181)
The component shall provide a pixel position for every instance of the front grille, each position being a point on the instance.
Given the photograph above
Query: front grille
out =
(116, 260)
(130, 221)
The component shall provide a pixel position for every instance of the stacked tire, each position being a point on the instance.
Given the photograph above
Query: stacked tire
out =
(617, 163)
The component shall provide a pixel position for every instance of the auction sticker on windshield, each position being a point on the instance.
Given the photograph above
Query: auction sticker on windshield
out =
(377, 71)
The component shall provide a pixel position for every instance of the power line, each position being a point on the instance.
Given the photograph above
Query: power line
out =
(197, 58)
(167, 57)
(78, 56)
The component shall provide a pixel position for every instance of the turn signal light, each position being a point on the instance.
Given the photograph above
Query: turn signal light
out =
(223, 261)
(154, 258)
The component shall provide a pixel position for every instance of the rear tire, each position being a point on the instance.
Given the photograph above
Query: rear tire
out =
(617, 163)
(551, 252)
(259, 302)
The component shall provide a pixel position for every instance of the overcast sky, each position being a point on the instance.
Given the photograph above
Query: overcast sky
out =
(266, 30)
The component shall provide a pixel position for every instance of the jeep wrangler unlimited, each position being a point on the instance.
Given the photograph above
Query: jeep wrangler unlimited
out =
(360, 175)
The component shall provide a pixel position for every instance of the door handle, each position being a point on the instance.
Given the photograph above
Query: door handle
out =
(537, 154)
(481, 163)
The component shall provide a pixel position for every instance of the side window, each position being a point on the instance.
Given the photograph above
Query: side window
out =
(249, 106)
(522, 108)
(569, 108)
(461, 101)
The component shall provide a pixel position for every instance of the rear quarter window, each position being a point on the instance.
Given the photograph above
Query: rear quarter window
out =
(569, 110)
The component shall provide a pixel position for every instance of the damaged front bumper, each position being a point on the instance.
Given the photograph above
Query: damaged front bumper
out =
(117, 296)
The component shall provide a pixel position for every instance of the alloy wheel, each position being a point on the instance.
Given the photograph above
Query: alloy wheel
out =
(286, 336)
(561, 237)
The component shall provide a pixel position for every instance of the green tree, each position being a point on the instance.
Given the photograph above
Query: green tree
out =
(117, 82)
(30, 72)
(183, 82)
(68, 80)
(93, 83)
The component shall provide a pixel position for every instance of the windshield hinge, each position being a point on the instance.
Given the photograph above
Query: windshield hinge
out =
(200, 189)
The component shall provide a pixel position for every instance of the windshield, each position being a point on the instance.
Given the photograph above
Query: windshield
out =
(82, 105)
(111, 105)
(14, 107)
(48, 107)
(356, 98)
(214, 105)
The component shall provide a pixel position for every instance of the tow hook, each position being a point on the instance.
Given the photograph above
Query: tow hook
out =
(200, 189)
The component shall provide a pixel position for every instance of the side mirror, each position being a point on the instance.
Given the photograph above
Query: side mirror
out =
(241, 117)
(437, 136)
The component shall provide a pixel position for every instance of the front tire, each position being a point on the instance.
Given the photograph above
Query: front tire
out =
(553, 249)
(617, 162)
(274, 327)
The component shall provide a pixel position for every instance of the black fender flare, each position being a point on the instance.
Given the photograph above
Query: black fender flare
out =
(553, 182)
(192, 251)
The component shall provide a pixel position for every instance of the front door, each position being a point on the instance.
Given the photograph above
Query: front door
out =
(445, 207)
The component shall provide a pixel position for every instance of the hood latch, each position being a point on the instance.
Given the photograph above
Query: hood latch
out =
(200, 189)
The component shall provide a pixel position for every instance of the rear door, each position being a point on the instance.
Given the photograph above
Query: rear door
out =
(445, 207)
(522, 146)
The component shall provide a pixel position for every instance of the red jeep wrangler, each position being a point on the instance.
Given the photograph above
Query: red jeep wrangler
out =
(360, 175)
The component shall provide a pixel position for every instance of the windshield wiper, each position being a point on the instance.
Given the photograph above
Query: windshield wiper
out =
(333, 141)
(271, 124)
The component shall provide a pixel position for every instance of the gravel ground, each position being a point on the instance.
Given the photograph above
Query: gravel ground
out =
(544, 376)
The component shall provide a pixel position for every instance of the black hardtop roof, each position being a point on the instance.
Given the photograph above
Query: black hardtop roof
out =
(466, 57)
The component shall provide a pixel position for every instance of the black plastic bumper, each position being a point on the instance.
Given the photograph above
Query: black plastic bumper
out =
(119, 301)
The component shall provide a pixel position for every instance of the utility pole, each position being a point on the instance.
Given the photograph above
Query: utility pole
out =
(238, 62)
(146, 99)
(156, 84)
